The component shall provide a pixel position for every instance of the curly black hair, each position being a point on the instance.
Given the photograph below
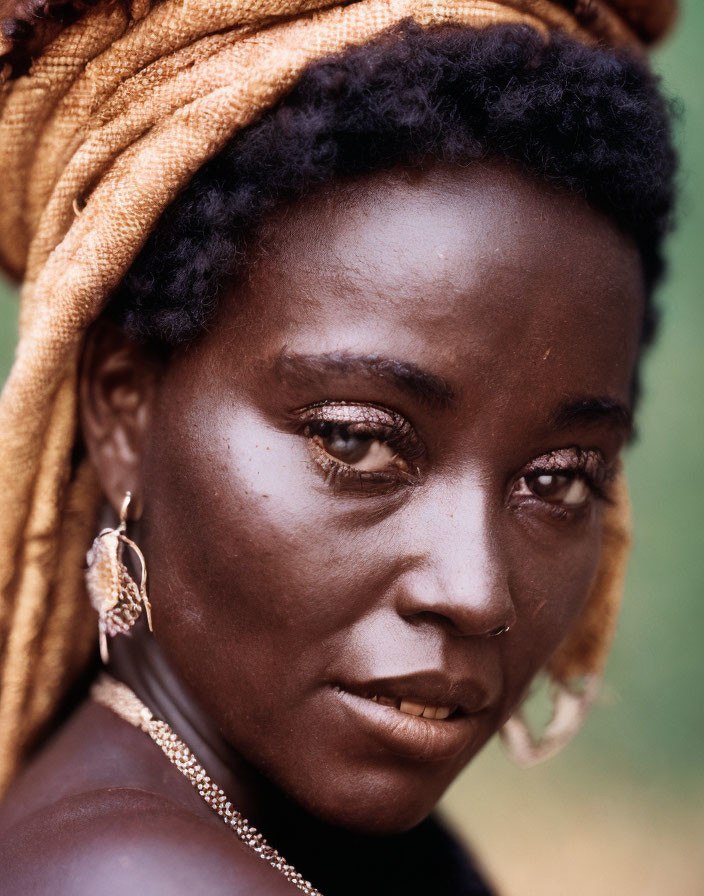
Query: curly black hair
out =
(585, 119)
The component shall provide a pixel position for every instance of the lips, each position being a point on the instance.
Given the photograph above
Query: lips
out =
(423, 717)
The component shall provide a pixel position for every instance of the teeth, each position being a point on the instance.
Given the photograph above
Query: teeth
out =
(413, 709)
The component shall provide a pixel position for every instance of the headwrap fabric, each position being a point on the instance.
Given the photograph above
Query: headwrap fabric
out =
(113, 119)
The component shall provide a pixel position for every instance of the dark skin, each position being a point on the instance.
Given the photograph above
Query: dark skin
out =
(395, 441)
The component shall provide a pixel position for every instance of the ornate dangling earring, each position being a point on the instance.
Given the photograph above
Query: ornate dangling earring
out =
(113, 592)
(569, 710)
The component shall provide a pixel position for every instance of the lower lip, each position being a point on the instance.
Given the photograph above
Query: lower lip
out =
(411, 736)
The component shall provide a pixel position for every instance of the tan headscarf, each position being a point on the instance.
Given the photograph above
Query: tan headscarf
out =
(116, 113)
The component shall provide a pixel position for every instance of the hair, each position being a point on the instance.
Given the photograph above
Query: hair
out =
(581, 118)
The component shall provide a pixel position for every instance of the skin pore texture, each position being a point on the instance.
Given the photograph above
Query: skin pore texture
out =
(395, 440)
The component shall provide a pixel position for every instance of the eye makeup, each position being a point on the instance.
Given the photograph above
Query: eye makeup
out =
(361, 447)
(566, 480)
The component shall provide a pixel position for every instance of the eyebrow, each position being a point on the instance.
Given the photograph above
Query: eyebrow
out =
(434, 390)
(585, 411)
(304, 370)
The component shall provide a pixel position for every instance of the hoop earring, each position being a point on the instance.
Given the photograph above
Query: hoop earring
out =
(569, 711)
(113, 592)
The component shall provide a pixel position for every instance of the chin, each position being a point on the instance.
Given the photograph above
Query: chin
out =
(377, 804)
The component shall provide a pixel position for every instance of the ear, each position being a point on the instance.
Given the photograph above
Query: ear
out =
(117, 385)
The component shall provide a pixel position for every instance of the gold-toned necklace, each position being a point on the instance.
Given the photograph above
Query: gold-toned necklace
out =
(125, 703)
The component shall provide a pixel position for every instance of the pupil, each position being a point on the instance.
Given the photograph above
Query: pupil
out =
(345, 446)
(550, 485)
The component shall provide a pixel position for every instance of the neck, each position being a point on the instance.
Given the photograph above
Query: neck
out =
(138, 661)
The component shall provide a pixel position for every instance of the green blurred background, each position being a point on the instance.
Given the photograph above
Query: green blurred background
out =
(622, 810)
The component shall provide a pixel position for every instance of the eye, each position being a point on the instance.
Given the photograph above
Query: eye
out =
(360, 451)
(564, 488)
(361, 447)
(566, 479)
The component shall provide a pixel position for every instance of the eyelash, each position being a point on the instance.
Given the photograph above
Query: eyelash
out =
(390, 428)
(586, 464)
(375, 423)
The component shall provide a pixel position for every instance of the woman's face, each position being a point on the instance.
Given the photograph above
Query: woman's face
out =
(395, 441)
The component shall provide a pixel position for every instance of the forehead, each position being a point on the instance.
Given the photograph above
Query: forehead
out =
(460, 271)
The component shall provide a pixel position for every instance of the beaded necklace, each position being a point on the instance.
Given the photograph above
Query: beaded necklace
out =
(125, 703)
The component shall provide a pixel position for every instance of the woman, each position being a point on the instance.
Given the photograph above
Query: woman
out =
(349, 303)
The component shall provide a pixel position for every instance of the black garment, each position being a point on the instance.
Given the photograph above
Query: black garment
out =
(426, 861)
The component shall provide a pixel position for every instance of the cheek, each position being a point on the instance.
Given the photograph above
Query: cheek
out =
(550, 584)
(254, 581)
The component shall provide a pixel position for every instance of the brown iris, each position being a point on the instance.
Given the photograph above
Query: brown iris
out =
(567, 488)
(359, 450)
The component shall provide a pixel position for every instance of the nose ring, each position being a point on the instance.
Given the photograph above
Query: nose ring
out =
(501, 630)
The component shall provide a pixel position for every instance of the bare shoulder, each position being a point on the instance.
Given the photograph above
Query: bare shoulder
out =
(107, 841)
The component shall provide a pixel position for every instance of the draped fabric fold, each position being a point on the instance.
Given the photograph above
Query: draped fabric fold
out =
(115, 115)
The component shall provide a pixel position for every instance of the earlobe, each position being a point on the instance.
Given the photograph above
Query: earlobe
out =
(117, 381)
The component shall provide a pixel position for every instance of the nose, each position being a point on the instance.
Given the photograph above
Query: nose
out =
(456, 569)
